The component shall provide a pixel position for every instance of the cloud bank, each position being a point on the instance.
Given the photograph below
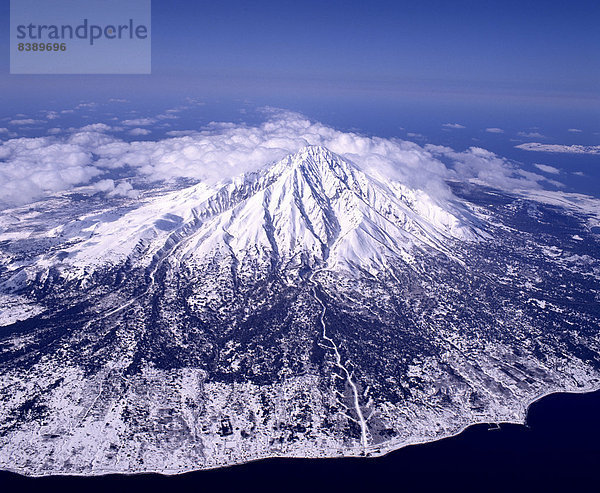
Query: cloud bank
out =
(547, 169)
(25, 121)
(139, 131)
(30, 167)
(486, 168)
(565, 149)
(33, 167)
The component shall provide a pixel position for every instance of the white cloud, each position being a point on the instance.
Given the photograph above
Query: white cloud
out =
(484, 167)
(54, 131)
(547, 169)
(574, 130)
(139, 122)
(224, 150)
(146, 121)
(52, 115)
(105, 186)
(494, 130)
(118, 100)
(181, 133)
(96, 127)
(558, 148)
(167, 116)
(32, 167)
(25, 121)
(139, 131)
(35, 166)
(123, 189)
(453, 125)
(3, 130)
(218, 152)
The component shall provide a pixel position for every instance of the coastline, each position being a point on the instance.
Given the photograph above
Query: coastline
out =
(523, 412)
(372, 452)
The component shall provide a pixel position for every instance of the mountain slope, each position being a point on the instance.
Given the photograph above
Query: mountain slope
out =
(312, 205)
(304, 310)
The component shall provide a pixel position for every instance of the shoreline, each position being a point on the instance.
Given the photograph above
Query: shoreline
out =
(376, 451)
(524, 411)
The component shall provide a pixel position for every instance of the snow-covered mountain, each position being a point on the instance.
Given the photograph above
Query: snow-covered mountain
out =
(307, 309)
(312, 206)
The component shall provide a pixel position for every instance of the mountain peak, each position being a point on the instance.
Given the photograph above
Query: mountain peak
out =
(316, 162)
(312, 205)
(313, 151)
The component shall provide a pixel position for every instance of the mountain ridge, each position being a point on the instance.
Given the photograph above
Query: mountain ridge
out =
(312, 204)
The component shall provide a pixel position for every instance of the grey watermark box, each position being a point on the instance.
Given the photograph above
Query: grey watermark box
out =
(80, 37)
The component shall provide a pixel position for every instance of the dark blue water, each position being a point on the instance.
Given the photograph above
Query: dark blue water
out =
(558, 450)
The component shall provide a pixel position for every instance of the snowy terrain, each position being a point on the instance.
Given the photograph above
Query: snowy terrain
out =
(307, 309)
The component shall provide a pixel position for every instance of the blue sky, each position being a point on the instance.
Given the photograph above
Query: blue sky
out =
(546, 52)
(493, 75)
(503, 46)
(388, 68)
